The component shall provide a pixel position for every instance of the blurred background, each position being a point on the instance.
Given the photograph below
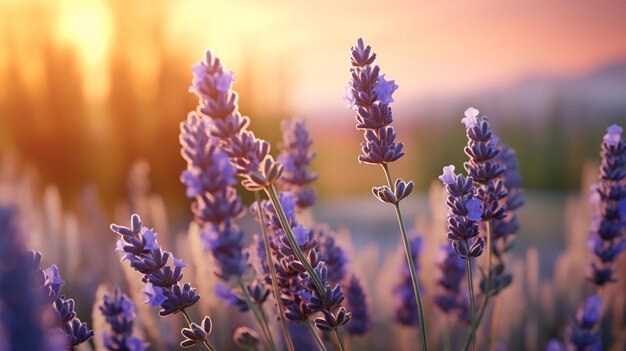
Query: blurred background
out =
(92, 93)
(89, 86)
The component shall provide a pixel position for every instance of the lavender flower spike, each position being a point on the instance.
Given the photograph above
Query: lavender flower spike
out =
(406, 311)
(119, 312)
(371, 94)
(23, 302)
(296, 157)
(607, 240)
(585, 335)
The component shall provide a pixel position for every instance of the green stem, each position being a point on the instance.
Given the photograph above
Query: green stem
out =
(483, 308)
(320, 343)
(340, 339)
(271, 192)
(205, 342)
(267, 336)
(270, 263)
(409, 258)
(470, 284)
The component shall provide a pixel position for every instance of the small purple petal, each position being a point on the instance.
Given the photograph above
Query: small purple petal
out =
(384, 89)
(592, 309)
(224, 293)
(471, 118)
(150, 237)
(594, 198)
(224, 81)
(154, 296)
(613, 134)
(448, 177)
(301, 234)
(177, 262)
(474, 210)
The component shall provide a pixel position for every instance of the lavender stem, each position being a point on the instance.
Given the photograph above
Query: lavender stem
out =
(409, 257)
(339, 339)
(487, 287)
(320, 343)
(271, 192)
(270, 263)
(470, 284)
(267, 336)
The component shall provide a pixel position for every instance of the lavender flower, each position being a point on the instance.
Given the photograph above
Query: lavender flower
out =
(463, 215)
(448, 296)
(140, 247)
(23, 303)
(296, 157)
(361, 321)
(555, 345)
(119, 312)
(370, 94)
(246, 339)
(608, 224)
(406, 312)
(334, 257)
(584, 334)
(504, 229)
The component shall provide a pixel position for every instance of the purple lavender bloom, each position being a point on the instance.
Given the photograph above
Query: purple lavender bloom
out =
(462, 220)
(555, 345)
(370, 97)
(448, 295)
(610, 193)
(334, 257)
(505, 229)
(119, 312)
(162, 280)
(361, 321)
(406, 312)
(23, 303)
(483, 166)
(296, 157)
(585, 335)
(246, 339)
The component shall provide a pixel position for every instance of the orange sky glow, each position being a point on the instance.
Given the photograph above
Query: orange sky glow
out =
(429, 48)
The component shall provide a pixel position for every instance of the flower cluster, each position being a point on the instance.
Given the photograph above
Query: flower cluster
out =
(465, 212)
(299, 290)
(448, 296)
(370, 94)
(584, 334)
(296, 157)
(119, 312)
(361, 321)
(609, 195)
(218, 103)
(139, 246)
(504, 229)
(406, 311)
(23, 302)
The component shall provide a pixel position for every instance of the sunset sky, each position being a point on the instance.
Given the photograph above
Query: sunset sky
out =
(430, 48)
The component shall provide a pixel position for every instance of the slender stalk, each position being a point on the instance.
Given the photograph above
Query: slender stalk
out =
(270, 263)
(267, 336)
(470, 284)
(320, 343)
(206, 343)
(340, 340)
(487, 285)
(494, 320)
(409, 258)
(273, 195)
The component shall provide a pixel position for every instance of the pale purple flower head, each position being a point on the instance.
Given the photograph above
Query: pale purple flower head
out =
(150, 237)
(591, 312)
(384, 89)
(471, 118)
(555, 345)
(301, 234)
(154, 295)
(448, 177)
(613, 135)
(224, 81)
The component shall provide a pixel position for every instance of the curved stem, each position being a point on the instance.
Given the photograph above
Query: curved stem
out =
(273, 195)
(205, 342)
(272, 268)
(340, 340)
(470, 284)
(267, 336)
(494, 320)
(410, 262)
(320, 343)
(483, 308)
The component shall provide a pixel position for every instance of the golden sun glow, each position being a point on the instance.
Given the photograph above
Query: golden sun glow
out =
(85, 25)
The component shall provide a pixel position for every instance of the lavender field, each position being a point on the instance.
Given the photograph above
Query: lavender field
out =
(296, 185)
